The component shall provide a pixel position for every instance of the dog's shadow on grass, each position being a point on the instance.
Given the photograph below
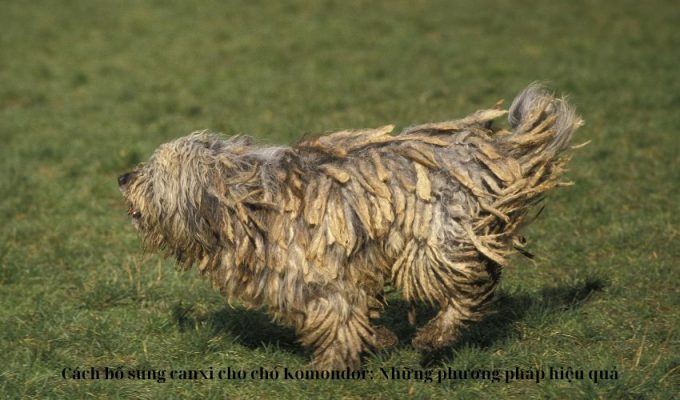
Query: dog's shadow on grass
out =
(250, 328)
(254, 329)
(507, 310)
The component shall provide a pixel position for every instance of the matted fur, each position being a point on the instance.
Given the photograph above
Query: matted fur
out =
(314, 231)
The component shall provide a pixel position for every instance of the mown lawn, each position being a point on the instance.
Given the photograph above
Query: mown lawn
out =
(89, 89)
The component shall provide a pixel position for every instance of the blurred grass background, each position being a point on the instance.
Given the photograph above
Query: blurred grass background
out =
(88, 89)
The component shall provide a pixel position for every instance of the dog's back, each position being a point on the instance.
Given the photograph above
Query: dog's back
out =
(483, 179)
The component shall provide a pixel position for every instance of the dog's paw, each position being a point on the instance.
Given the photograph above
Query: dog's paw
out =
(432, 337)
(384, 338)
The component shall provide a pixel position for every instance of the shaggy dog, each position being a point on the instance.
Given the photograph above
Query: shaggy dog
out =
(314, 231)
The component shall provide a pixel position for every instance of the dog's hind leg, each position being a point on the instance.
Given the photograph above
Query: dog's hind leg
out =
(461, 287)
(465, 302)
(336, 325)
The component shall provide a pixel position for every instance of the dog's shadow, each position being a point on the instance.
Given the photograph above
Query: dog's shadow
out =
(250, 328)
(499, 324)
(254, 329)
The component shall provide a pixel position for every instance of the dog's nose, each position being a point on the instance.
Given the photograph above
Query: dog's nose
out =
(124, 179)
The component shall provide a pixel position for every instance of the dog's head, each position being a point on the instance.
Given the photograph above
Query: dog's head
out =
(173, 199)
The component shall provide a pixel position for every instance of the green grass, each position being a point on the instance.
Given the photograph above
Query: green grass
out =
(88, 89)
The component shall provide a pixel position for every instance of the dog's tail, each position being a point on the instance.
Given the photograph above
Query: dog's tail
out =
(542, 127)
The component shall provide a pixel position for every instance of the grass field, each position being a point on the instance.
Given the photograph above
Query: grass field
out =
(89, 89)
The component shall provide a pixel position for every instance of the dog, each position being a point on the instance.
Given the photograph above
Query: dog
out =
(314, 231)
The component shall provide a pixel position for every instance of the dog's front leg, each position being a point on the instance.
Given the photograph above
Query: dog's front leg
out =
(338, 329)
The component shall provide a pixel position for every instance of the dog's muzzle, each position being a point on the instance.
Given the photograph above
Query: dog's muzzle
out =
(123, 181)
